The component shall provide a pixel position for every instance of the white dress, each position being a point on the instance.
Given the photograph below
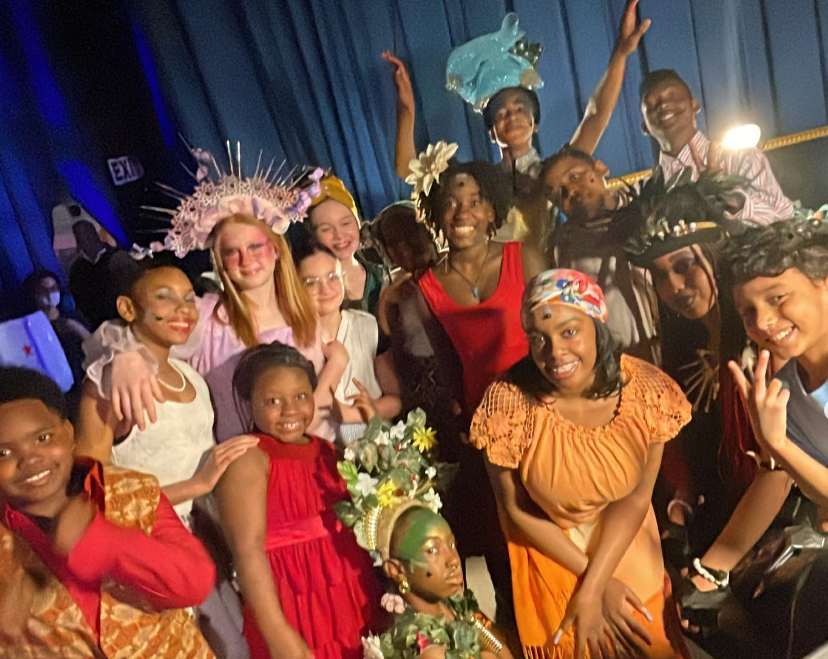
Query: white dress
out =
(171, 448)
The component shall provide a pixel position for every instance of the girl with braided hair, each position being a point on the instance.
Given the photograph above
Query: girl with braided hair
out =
(309, 589)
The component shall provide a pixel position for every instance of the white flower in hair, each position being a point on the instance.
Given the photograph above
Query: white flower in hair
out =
(371, 648)
(432, 500)
(426, 169)
(365, 485)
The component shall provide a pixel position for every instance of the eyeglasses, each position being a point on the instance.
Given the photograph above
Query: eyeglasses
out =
(315, 284)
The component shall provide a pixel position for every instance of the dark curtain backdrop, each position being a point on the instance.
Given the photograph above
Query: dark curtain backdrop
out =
(302, 80)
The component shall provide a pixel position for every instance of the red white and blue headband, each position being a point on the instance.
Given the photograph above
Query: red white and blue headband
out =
(563, 286)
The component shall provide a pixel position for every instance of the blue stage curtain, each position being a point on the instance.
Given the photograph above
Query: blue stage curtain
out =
(303, 81)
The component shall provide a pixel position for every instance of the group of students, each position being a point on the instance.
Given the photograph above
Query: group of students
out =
(256, 420)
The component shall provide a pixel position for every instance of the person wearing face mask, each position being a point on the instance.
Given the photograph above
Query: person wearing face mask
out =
(41, 291)
(335, 224)
(668, 111)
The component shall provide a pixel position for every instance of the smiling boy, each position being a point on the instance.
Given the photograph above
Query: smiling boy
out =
(668, 110)
(93, 560)
(780, 288)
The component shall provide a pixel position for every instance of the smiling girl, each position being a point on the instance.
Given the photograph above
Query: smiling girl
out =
(370, 370)
(309, 590)
(334, 222)
(573, 441)
(158, 306)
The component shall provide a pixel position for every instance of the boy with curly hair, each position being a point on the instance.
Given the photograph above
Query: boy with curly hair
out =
(779, 279)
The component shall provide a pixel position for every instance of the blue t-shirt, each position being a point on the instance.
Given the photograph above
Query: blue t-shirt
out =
(807, 420)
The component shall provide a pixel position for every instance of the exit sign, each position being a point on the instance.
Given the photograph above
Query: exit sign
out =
(125, 169)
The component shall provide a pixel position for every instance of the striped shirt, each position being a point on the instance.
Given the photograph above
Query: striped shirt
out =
(764, 200)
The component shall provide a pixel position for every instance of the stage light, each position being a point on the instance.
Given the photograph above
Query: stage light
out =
(745, 136)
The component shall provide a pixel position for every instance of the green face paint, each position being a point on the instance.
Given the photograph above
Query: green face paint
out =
(422, 524)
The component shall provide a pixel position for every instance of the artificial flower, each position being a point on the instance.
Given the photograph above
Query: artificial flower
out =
(431, 473)
(424, 439)
(422, 641)
(432, 500)
(426, 169)
(371, 648)
(393, 603)
(350, 453)
(397, 431)
(386, 493)
(365, 484)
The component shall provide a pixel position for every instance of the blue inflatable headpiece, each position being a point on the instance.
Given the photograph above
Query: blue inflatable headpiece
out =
(482, 67)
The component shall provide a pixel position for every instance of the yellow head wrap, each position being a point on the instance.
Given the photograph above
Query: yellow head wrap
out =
(332, 188)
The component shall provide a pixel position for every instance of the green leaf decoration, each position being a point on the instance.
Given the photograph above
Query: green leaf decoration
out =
(368, 454)
(459, 637)
(348, 471)
(347, 512)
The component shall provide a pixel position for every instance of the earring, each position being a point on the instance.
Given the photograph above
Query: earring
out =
(403, 586)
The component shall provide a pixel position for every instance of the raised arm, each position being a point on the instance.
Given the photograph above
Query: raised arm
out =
(242, 498)
(405, 150)
(603, 100)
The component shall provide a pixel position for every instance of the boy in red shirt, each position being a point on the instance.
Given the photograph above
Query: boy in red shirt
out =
(93, 559)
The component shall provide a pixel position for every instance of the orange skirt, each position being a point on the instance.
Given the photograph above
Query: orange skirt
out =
(542, 590)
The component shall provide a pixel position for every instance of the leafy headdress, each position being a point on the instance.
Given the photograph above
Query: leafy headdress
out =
(388, 472)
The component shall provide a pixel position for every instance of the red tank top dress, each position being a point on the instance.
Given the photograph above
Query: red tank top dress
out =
(488, 337)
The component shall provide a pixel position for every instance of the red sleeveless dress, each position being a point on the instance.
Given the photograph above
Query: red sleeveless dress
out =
(488, 337)
(326, 583)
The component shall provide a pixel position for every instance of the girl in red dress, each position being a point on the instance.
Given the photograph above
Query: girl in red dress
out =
(309, 589)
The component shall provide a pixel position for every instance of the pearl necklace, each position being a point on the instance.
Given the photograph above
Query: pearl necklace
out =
(179, 388)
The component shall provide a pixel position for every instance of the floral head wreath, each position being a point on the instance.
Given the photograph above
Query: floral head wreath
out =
(667, 215)
(388, 472)
(275, 200)
(479, 69)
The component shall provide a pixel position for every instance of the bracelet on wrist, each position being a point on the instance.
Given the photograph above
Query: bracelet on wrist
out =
(720, 578)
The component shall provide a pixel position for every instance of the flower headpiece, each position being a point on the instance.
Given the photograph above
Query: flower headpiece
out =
(563, 286)
(482, 67)
(387, 472)
(426, 170)
(667, 215)
(275, 200)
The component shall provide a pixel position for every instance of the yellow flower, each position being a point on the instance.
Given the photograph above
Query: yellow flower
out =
(387, 493)
(425, 439)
